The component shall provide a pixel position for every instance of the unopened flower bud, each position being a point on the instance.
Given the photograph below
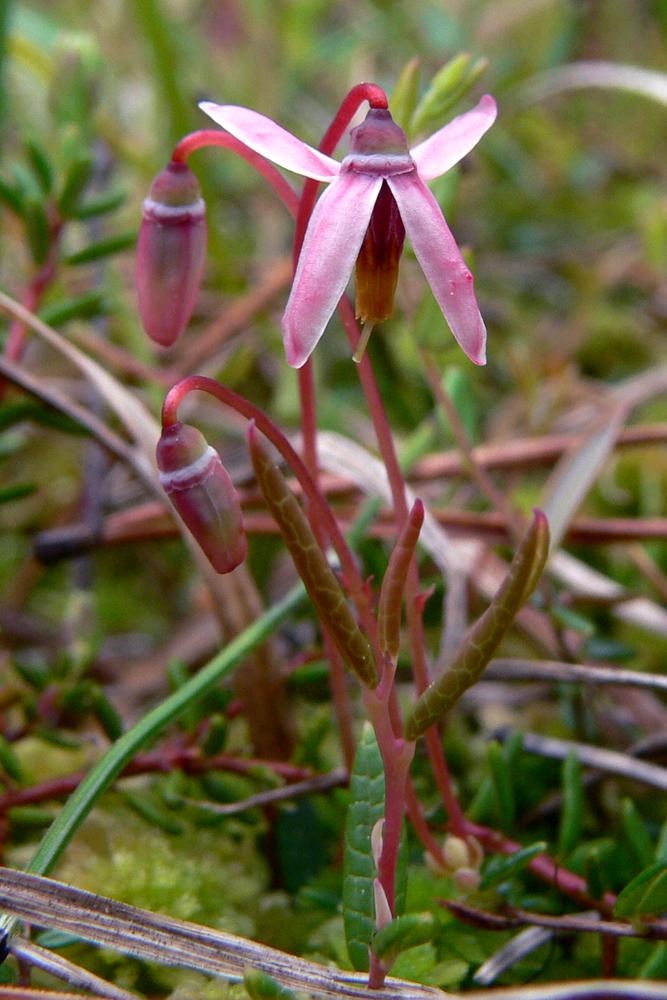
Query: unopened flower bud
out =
(200, 489)
(467, 879)
(170, 253)
(455, 852)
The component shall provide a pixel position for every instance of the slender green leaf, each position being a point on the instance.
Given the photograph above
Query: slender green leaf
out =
(106, 248)
(646, 893)
(569, 832)
(10, 761)
(502, 785)
(404, 99)
(501, 868)
(320, 581)
(468, 663)
(403, 933)
(261, 986)
(100, 205)
(79, 307)
(366, 808)
(636, 832)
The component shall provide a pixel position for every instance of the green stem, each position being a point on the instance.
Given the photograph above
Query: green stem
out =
(115, 760)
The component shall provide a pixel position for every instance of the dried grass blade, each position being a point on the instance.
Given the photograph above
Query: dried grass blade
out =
(576, 473)
(170, 941)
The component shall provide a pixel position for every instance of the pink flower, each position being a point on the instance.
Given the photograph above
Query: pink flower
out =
(375, 196)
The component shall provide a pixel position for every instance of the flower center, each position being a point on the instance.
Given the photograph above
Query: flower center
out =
(377, 264)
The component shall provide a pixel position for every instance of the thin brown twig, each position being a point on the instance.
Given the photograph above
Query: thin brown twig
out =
(319, 783)
(571, 922)
(232, 319)
(553, 670)
(527, 453)
(56, 399)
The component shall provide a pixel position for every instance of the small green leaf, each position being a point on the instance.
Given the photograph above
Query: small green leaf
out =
(448, 86)
(78, 176)
(10, 761)
(571, 619)
(34, 672)
(103, 249)
(152, 815)
(30, 817)
(107, 202)
(80, 307)
(595, 871)
(655, 966)
(216, 736)
(404, 99)
(365, 809)
(479, 644)
(646, 893)
(403, 933)
(501, 868)
(661, 846)
(106, 714)
(573, 803)
(18, 492)
(37, 228)
(636, 832)
(40, 164)
(319, 579)
(502, 785)
(261, 986)
(11, 196)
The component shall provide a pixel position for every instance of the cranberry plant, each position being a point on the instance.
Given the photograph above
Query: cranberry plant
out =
(430, 837)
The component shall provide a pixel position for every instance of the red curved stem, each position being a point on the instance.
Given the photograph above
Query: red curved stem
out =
(353, 579)
(215, 137)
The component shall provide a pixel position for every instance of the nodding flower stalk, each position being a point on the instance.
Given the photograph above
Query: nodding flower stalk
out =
(171, 253)
(200, 489)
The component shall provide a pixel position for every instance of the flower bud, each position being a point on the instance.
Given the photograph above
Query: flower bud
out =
(170, 253)
(200, 489)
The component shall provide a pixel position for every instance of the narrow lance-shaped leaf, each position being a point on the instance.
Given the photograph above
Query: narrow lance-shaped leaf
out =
(636, 832)
(393, 584)
(261, 986)
(468, 663)
(403, 933)
(404, 99)
(573, 804)
(645, 893)
(366, 807)
(501, 776)
(319, 579)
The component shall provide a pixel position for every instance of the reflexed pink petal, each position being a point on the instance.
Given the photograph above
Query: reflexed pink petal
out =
(441, 261)
(272, 141)
(438, 154)
(333, 239)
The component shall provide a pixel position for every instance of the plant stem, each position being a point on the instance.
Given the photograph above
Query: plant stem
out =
(215, 137)
(413, 614)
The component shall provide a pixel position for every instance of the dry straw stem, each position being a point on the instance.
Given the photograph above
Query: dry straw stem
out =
(319, 579)
(169, 941)
(468, 664)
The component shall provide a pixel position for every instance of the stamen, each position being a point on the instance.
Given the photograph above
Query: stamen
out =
(363, 341)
